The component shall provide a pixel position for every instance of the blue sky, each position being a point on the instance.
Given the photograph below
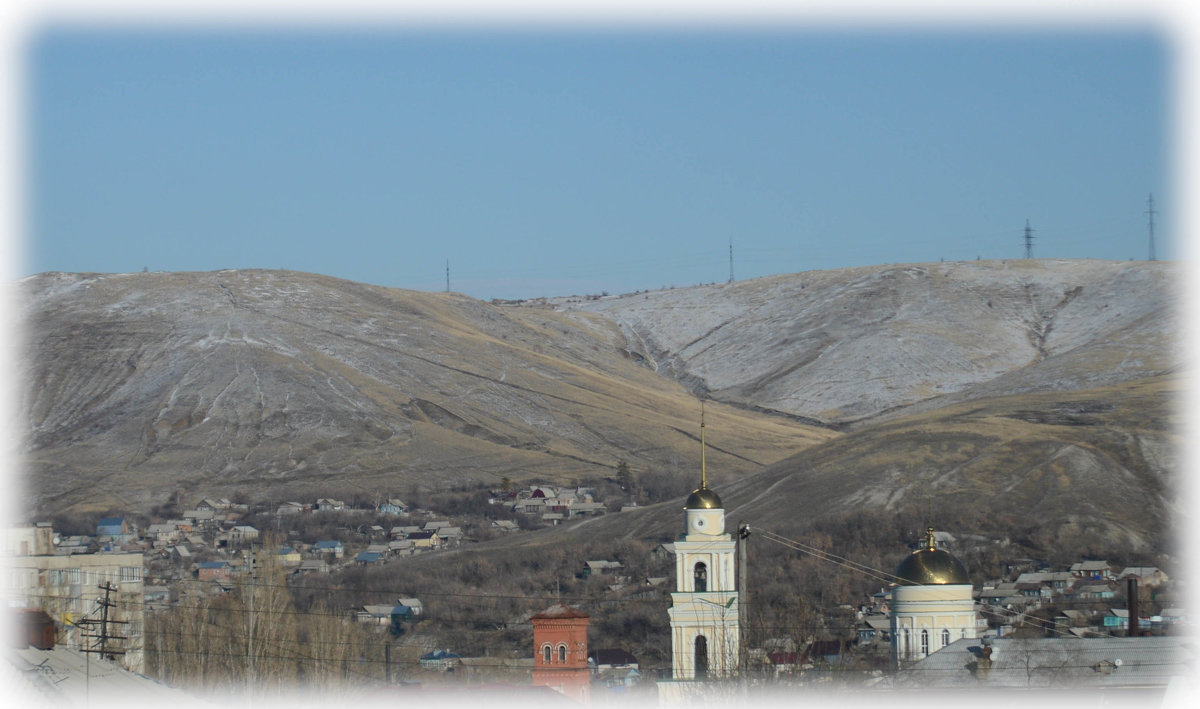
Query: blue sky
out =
(569, 161)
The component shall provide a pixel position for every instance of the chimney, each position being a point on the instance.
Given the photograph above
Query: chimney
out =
(1131, 596)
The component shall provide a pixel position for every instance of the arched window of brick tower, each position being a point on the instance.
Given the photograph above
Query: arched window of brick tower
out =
(701, 576)
(545, 654)
(562, 654)
(701, 655)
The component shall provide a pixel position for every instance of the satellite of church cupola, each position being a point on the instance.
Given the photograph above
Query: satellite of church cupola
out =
(932, 603)
(704, 607)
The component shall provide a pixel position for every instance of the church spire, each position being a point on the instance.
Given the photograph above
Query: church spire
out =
(702, 497)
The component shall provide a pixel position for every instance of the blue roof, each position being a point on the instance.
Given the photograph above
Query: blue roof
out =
(111, 522)
(213, 564)
(368, 556)
(328, 544)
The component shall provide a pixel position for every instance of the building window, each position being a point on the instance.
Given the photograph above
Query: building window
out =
(562, 654)
(924, 642)
(945, 637)
(700, 575)
(545, 654)
(130, 574)
(701, 656)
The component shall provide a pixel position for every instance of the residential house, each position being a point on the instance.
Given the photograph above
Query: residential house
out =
(242, 534)
(877, 626)
(613, 668)
(289, 556)
(162, 534)
(451, 535)
(368, 558)
(329, 547)
(326, 504)
(319, 566)
(506, 525)
(292, 508)
(201, 519)
(401, 547)
(602, 568)
(114, 529)
(393, 506)
(433, 526)
(1092, 569)
(440, 660)
(1147, 576)
(425, 541)
(214, 571)
(387, 615)
(581, 509)
(529, 506)
(1093, 591)
(214, 505)
(413, 604)
(665, 550)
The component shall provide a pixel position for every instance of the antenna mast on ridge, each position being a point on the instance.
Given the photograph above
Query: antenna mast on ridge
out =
(1028, 240)
(703, 446)
(731, 259)
(1150, 212)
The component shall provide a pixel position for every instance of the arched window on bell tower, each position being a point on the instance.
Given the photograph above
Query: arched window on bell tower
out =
(700, 576)
(545, 654)
(701, 656)
(562, 654)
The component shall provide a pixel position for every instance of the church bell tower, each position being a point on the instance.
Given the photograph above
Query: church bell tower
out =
(704, 607)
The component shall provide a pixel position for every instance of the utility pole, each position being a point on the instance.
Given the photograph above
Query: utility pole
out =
(105, 651)
(1028, 240)
(743, 535)
(731, 259)
(250, 626)
(447, 275)
(1150, 213)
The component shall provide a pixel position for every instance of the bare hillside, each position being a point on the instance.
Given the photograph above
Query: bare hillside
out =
(276, 383)
(1024, 394)
(843, 346)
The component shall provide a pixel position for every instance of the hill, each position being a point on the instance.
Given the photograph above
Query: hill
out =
(1029, 396)
(845, 346)
(277, 385)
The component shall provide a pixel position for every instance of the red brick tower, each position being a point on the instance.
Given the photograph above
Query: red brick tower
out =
(560, 651)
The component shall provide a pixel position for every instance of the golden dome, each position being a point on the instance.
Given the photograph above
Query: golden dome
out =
(930, 566)
(703, 499)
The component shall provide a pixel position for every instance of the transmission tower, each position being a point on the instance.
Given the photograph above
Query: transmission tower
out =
(1150, 212)
(1028, 240)
(731, 259)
